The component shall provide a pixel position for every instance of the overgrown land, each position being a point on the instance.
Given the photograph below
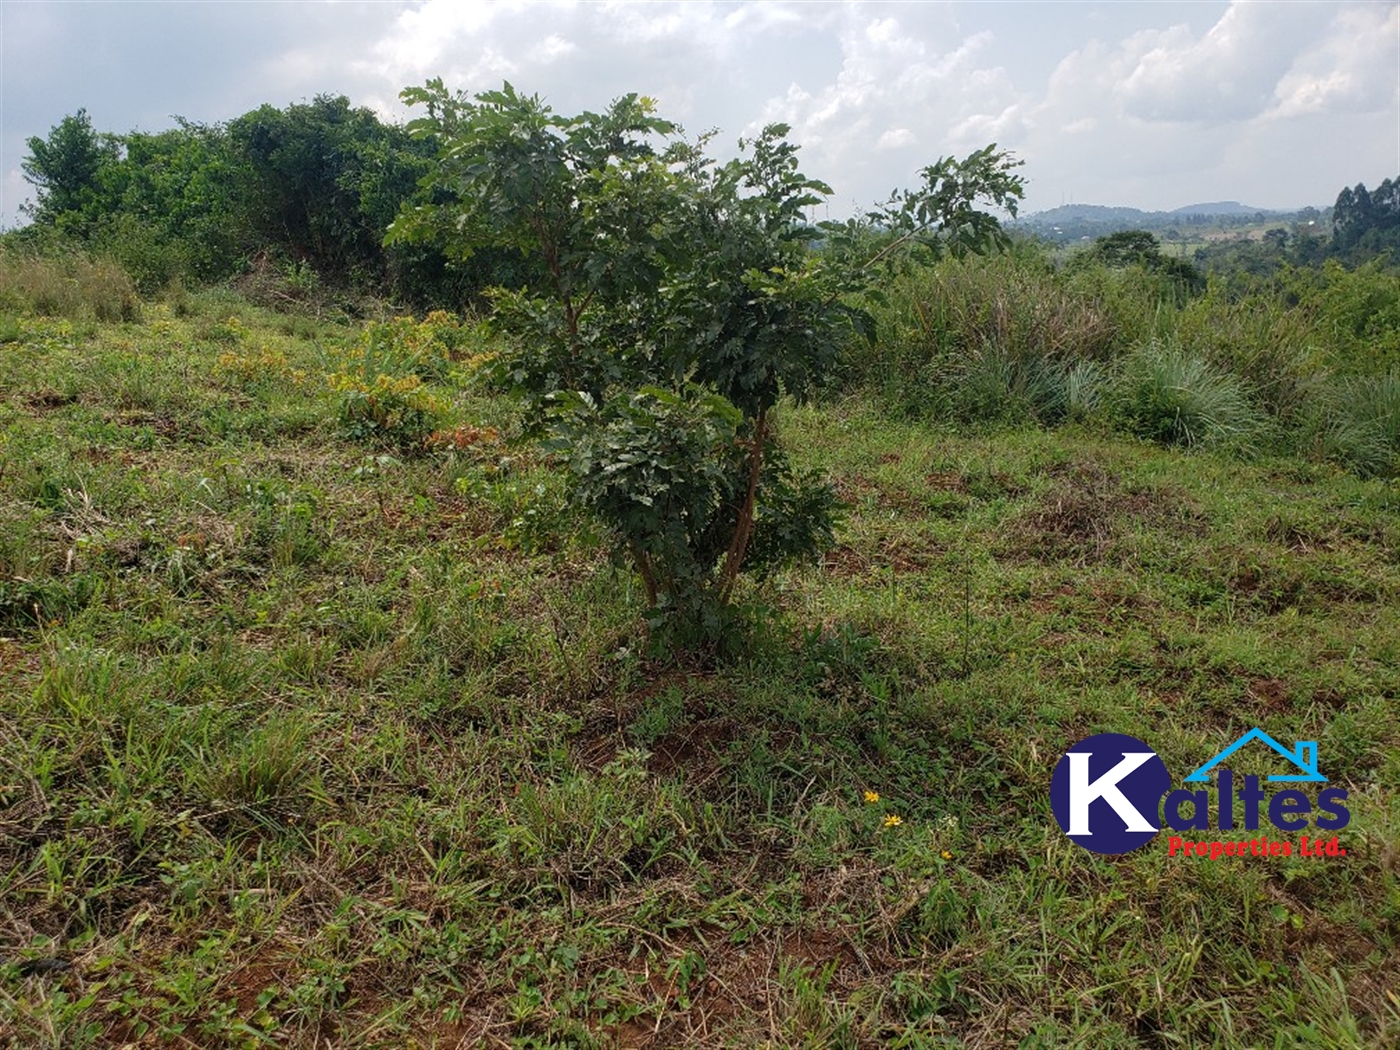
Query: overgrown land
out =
(327, 718)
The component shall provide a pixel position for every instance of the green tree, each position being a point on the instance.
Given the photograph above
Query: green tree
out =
(1366, 224)
(1127, 247)
(1178, 279)
(326, 180)
(664, 305)
(67, 170)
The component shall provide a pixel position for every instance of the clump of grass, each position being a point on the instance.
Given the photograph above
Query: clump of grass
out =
(72, 286)
(1175, 397)
(1086, 385)
(1272, 346)
(268, 774)
(984, 336)
(1356, 422)
(591, 831)
(989, 384)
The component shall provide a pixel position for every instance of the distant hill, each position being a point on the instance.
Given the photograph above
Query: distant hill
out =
(1073, 223)
(1085, 213)
(1219, 208)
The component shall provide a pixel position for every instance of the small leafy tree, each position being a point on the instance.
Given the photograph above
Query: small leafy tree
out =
(665, 303)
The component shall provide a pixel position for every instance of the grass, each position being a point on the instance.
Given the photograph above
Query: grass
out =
(303, 741)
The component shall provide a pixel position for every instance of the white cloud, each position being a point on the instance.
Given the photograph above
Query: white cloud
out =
(896, 138)
(905, 78)
(1353, 67)
(1147, 104)
(553, 47)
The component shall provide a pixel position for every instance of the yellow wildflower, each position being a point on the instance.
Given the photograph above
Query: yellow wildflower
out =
(872, 796)
(892, 821)
(947, 855)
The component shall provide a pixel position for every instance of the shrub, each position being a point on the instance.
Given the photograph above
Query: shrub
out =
(384, 379)
(667, 305)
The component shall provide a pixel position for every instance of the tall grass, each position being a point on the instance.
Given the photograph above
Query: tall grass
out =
(983, 337)
(67, 285)
(1012, 339)
(1354, 421)
(1176, 397)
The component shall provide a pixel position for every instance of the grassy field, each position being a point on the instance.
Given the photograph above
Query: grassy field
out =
(307, 744)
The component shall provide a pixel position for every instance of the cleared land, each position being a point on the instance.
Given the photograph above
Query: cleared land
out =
(300, 744)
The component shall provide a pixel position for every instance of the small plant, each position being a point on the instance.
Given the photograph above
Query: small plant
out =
(269, 773)
(383, 381)
(1085, 386)
(258, 368)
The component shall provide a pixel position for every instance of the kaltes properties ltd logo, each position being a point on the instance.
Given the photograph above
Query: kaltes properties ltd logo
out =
(1112, 794)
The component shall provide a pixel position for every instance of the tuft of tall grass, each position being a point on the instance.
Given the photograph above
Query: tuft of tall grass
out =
(991, 385)
(987, 337)
(1274, 347)
(1355, 421)
(268, 774)
(1175, 397)
(67, 286)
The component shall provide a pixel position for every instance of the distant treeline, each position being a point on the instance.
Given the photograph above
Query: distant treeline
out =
(303, 195)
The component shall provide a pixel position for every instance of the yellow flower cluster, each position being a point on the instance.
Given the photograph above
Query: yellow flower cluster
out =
(259, 366)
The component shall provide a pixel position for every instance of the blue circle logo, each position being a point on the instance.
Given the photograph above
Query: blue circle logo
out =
(1106, 792)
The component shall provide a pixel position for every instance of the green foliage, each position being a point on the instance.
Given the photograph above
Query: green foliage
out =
(307, 190)
(385, 380)
(67, 169)
(1173, 396)
(1357, 311)
(1176, 279)
(1365, 222)
(324, 181)
(666, 304)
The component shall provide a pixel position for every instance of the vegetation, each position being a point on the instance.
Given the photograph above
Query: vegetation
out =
(328, 716)
(668, 305)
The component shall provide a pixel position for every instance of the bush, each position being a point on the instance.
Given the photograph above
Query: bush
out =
(666, 305)
(149, 255)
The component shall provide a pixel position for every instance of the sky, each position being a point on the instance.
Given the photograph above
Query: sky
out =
(1149, 105)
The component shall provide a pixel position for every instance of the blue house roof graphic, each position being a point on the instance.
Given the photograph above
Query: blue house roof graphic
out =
(1304, 756)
